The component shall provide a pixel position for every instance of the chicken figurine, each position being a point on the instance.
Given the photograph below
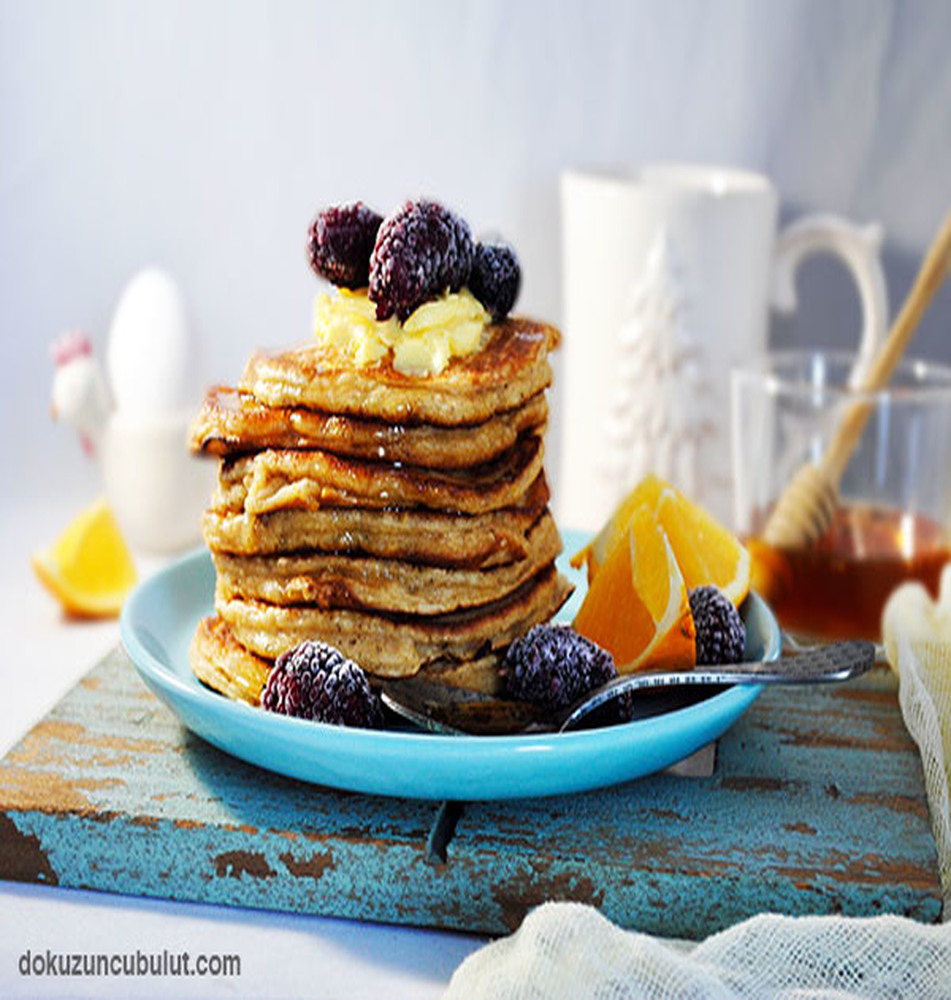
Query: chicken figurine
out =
(80, 395)
(135, 422)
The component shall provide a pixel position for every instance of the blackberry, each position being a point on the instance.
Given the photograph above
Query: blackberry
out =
(553, 666)
(495, 278)
(421, 250)
(721, 634)
(315, 681)
(341, 241)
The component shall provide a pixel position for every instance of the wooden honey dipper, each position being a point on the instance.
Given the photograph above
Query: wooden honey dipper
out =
(806, 507)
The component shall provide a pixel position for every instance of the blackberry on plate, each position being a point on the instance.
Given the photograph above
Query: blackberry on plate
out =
(421, 250)
(495, 278)
(553, 666)
(721, 634)
(315, 681)
(341, 241)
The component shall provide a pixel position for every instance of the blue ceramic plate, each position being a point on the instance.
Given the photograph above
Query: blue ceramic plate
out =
(157, 626)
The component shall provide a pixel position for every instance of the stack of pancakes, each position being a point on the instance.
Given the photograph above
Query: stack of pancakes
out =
(401, 519)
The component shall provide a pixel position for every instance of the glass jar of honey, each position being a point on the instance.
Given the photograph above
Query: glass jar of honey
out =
(894, 514)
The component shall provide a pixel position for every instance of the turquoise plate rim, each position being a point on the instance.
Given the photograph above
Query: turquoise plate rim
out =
(158, 621)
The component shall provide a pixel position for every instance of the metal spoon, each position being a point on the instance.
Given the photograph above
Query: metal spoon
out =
(837, 661)
(449, 711)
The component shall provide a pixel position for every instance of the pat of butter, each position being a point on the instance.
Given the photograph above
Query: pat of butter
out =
(449, 327)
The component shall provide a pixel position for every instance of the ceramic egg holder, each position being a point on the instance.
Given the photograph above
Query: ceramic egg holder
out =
(135, 422)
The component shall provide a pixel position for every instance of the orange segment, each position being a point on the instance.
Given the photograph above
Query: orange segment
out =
(637, 606)
(647, 492)
(706, 552)
(88, 568)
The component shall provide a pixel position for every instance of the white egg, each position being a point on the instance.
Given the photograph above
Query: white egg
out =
(150, 357)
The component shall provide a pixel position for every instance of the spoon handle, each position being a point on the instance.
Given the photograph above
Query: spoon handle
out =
(836, 661)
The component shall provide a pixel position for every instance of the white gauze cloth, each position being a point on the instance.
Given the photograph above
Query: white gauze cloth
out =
(569, 951)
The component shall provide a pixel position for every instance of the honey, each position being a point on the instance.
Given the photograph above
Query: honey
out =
(837, 587)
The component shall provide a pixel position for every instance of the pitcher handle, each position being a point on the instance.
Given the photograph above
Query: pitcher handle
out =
(859, 247)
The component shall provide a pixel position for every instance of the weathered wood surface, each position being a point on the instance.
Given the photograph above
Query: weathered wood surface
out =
(816, 806)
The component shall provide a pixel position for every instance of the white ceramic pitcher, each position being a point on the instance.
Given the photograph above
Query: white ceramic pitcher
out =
(668, 276)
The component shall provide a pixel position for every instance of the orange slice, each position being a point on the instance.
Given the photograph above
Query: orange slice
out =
(637, 605)
(707, 553)
(648, 492)
(88, 568)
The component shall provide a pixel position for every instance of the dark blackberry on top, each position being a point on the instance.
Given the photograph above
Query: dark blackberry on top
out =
(421, 250)
(553, 667)
(340, 243)
(495, 278)
(315, 681)
(721, 634)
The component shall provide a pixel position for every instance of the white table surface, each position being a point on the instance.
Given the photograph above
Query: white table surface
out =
(43, 655)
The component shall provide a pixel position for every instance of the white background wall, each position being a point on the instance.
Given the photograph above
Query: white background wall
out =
(203, 136)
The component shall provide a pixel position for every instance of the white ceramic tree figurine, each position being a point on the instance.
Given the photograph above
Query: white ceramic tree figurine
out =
(659, 415)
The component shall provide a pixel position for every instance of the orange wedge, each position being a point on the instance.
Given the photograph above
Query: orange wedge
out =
(648, 492)
(707, 553)
(637, 605)
(88, 568)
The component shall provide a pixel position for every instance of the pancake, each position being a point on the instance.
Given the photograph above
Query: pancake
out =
(277, 479)
(483, 674)
(510, 369)
(342, 581)
(478, 542)
(397, 645)
(219, 661)
(232, 423)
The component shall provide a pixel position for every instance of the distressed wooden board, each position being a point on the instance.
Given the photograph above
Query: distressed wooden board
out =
(816, 806)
